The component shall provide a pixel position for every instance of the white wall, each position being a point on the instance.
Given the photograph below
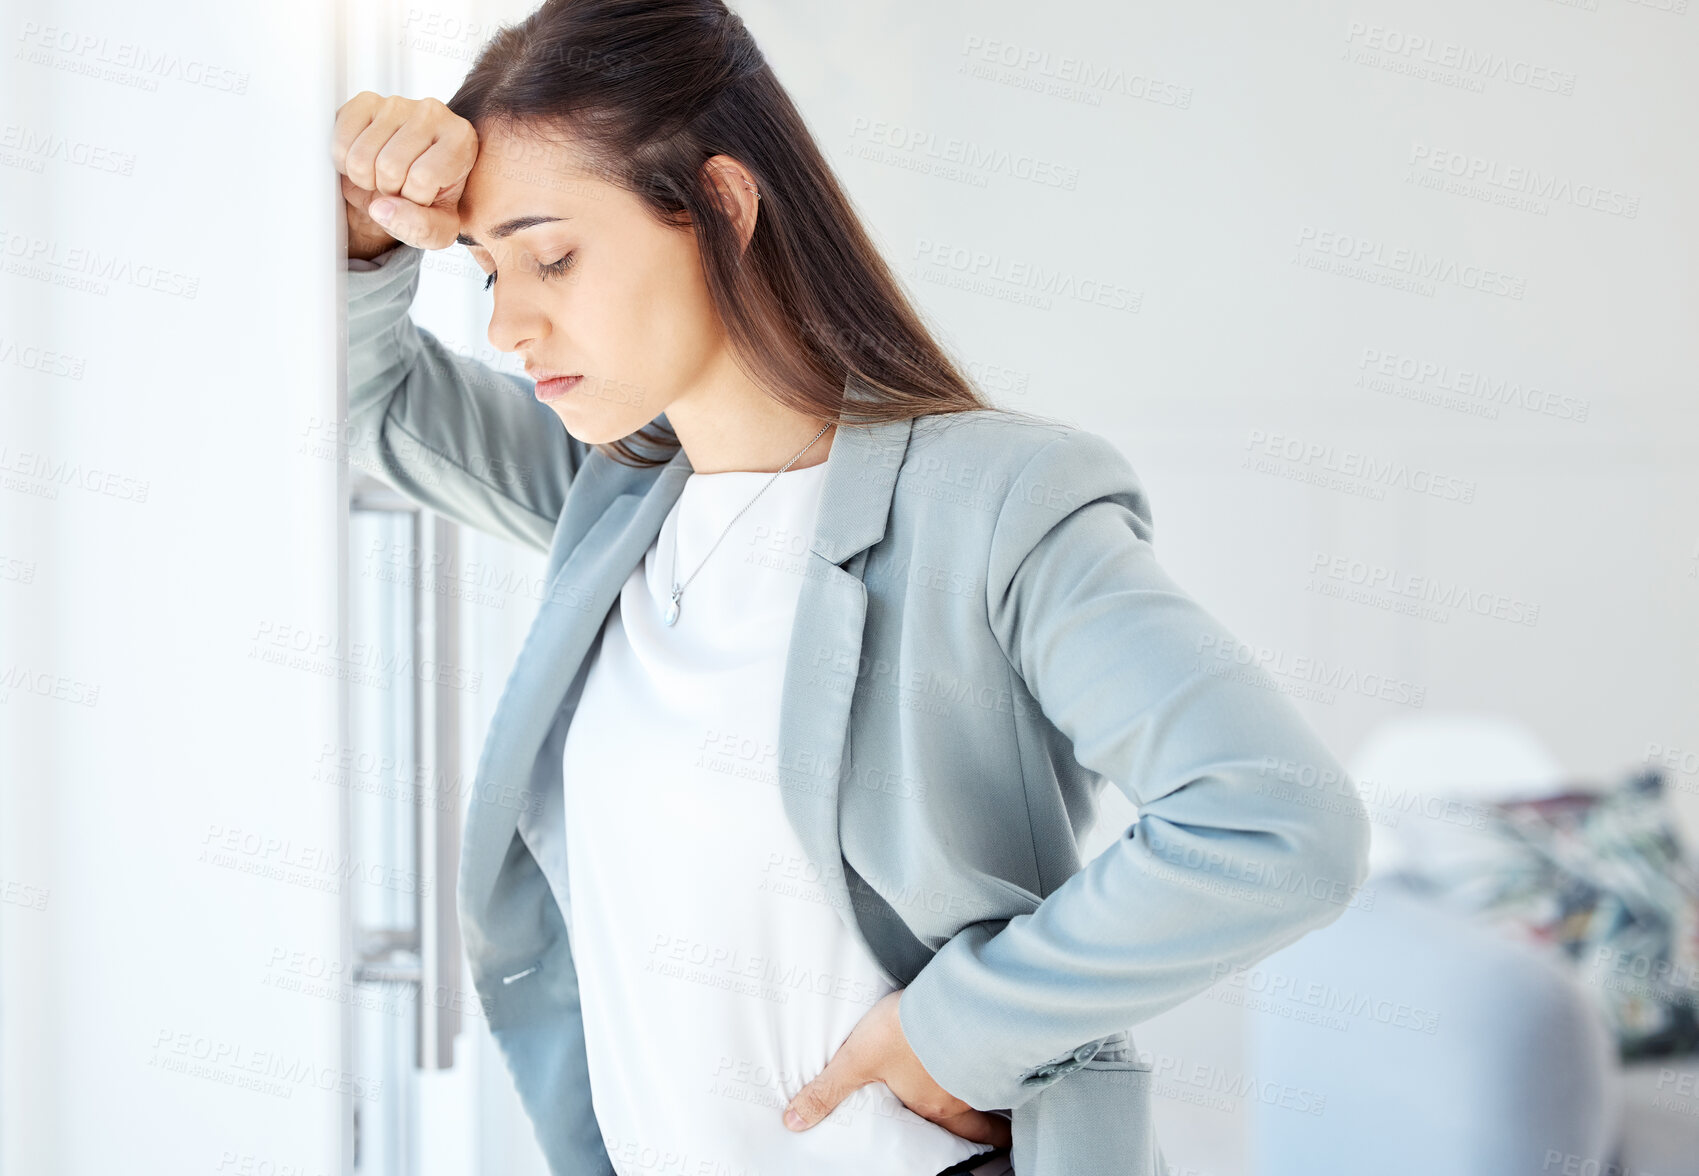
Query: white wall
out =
(164, 511)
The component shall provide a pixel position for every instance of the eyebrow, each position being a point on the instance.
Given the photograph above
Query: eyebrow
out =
(510, 227)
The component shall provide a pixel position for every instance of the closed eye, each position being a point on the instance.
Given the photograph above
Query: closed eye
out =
(553, 269)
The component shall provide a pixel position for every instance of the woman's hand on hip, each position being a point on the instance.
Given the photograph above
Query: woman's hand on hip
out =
(403, 163)
(877, 1051)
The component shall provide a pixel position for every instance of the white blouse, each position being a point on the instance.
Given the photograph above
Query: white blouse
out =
(715, 980)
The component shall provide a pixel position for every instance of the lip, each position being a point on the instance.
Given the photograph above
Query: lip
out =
(552, 387)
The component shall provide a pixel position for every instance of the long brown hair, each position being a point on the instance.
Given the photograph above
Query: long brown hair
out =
(648, 91)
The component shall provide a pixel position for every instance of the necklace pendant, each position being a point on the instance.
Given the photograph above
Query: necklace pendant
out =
(671, 615)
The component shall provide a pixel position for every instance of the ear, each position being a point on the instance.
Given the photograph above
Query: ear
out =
(737, 192)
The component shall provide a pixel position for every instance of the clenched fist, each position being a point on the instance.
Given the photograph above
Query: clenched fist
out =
(403, 164)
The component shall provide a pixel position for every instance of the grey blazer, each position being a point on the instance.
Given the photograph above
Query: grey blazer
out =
(984, 639)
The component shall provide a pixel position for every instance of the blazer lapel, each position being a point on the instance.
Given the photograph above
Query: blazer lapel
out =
(820, 669)
(574, 606)
(823, 661)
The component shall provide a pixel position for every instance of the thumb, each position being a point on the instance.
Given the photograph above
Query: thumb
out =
(820, 1097)
(414, 224)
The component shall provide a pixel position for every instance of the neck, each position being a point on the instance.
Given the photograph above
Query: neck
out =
(728, 424)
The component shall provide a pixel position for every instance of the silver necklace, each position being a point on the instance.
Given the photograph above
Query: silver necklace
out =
(671, 615)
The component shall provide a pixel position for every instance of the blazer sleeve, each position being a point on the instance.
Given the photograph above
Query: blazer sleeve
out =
(446, 430)
(1224, 865)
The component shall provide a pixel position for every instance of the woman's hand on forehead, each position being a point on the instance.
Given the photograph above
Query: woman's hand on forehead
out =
(403, 164)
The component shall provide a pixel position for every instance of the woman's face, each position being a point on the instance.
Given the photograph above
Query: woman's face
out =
(589, 284)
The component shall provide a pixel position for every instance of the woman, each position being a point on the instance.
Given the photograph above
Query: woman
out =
(772, 863)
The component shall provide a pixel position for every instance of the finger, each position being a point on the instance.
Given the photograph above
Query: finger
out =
(811, 1104)
(443, 165)
(360, 164)
(354, 117)
(359, 200)
(398, 154)
(355, 195)
(366, 238)
(979, 1126)
(413, 224)
(821, 1097)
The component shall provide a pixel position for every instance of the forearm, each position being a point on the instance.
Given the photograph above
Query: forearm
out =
(1227, 862)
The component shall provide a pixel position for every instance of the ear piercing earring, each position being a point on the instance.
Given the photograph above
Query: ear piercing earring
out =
(752, 188)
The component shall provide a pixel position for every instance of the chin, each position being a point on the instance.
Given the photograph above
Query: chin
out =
(594, 432)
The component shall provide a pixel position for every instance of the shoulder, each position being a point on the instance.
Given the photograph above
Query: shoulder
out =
(1033, 470)
(990, 434)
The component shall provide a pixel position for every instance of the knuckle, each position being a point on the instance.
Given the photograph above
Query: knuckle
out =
(418, 191)
(342, 137)
(934, 1108)
(390, 174)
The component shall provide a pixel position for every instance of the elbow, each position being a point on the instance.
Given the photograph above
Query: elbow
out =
(1336, 848)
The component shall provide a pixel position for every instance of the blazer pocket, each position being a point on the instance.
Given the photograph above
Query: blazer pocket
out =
(1095, 1121)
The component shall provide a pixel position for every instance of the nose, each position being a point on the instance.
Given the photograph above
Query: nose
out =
(517, 321)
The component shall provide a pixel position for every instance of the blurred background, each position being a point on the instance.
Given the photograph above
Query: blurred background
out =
(1391, 305)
